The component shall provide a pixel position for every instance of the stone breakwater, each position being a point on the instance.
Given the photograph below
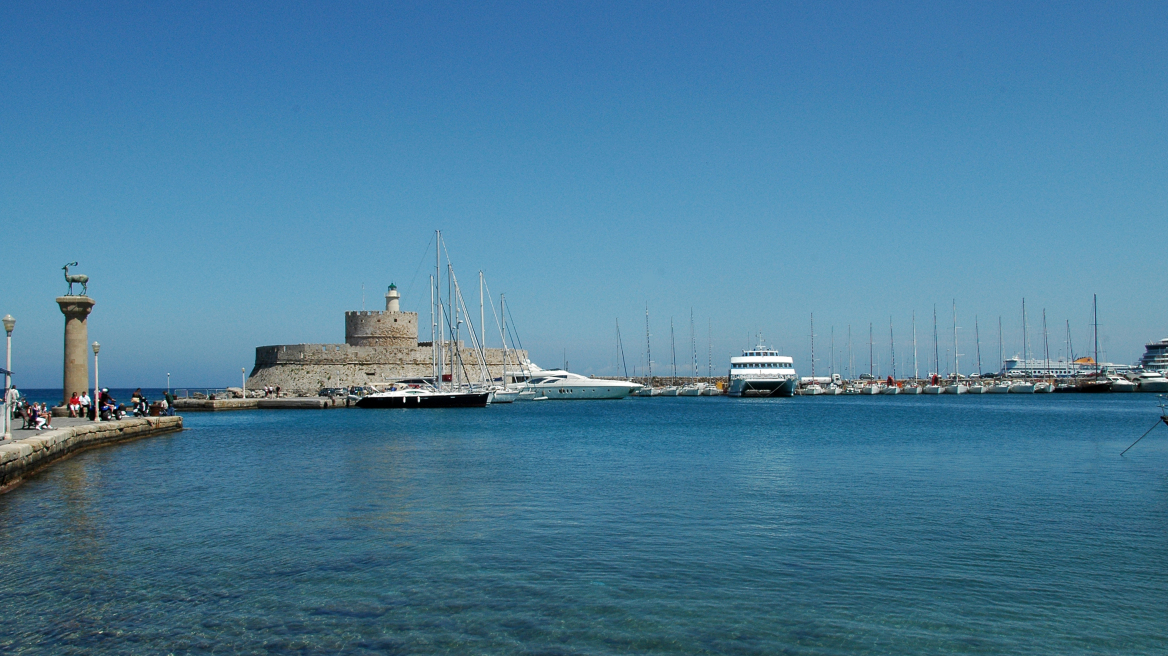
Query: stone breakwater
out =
(290, 403)
(24, 456)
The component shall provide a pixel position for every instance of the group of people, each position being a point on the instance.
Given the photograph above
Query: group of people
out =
(38, 415)
(35, 415)
(271, 391)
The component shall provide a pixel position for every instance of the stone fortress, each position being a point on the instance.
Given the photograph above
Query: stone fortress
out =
(379, 348)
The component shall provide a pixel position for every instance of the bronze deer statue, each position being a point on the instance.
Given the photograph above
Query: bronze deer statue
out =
(83, 280)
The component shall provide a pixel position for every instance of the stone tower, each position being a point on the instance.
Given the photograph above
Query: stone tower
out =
(390, 328)
(76, 310)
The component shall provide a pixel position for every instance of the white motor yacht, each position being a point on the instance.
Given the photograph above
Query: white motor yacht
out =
(1152, 381)
(762, 371)
(813, 389)
(1122, 384)
(557, 384)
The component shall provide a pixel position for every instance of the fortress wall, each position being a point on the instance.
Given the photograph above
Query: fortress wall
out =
(305, 368)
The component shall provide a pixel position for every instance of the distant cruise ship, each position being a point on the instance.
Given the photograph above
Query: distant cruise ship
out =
(1155, 355)
(762, 372)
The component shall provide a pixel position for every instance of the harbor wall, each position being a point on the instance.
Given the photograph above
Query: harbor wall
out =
(305, 368)
(23, 457)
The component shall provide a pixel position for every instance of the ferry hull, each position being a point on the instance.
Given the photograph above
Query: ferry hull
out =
(763, 387)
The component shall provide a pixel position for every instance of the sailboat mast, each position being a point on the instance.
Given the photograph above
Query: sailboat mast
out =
(503, 335)
(916, 371)
(1070, 351)
(672, 355)
(813, 345)
(977, 336)
(956, 368)
(1095, 312)
(831, 365)
(851, 357)
(936, 348)
(871, 352)
(620, 344)
(892, 347)
(438, 356)
(648, 351)
(1001, 362)
(710, 349)
(1026, 339)
(1045, 343)
(433, 330)
(693, 345)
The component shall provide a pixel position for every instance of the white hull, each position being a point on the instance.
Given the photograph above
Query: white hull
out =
(762, 387)
(501, 396)
(977, 389)
(669, 391)
(690, 390)
(956, 389)
(711, 391)
(891, 389)
(1154, 385)
(870, 389)
(812, 390)
(1123, 386)
(934, 389)
(1022, 388)
(998, 389)
(910, 389)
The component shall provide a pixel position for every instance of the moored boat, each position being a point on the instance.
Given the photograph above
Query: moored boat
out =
(762, 371)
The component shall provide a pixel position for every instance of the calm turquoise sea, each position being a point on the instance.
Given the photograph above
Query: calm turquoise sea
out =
(844, 525)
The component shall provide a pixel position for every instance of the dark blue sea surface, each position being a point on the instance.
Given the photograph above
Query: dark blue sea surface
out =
(844, 525)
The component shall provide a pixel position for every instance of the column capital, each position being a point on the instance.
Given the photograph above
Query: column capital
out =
(76, 306)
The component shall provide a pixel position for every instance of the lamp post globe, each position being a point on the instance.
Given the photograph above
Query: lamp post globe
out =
(9, 323)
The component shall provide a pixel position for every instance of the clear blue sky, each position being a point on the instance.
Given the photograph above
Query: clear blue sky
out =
(230, 174)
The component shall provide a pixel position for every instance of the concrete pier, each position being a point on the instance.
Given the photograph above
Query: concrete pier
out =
(32, 450)
(76, 310)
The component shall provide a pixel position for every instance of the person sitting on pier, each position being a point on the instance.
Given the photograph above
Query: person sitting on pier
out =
(85, 402)
(74, 405)
(40, 417)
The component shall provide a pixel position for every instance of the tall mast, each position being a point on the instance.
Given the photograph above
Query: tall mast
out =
(831, 366)
(710, 349)
(672, 355)
(936, 348)
(1025, 340)
(916, 372)
(1045, 342)
(813, 345)
(1070, 351)
(871, 359)
(648, 351)
(892, 347)
(851, 357)
(503, 334)
(693, 345)
(621, 344)
(977, 336)
(1095, 312)
(438, 356)
(956, 368)
(433, 330)
(482, 315)
(1001, 362)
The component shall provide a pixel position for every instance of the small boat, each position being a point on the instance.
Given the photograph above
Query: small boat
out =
(711, 390)
(910, 389)
(833, 390)
(977, 388)
(693, 389)
(672, 390)
(998, 388)
(956, 388)
(504, 396)
(870, 389)
(526, 395)
(890, 389)
(1043, 387)
(1122, 385)
(851, 390)
(422, 395)
(1021, 388)
(934, 389)
(811, 390)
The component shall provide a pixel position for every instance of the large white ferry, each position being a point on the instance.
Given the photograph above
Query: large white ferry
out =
(762, 372)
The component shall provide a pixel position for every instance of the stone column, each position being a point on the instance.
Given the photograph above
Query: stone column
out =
(76, 310)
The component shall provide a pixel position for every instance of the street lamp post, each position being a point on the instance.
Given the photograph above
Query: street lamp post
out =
(168, 383)
(243, 385)
(9, 324)
(96, 385)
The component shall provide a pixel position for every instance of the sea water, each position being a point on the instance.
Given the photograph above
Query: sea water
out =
(842, 525)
